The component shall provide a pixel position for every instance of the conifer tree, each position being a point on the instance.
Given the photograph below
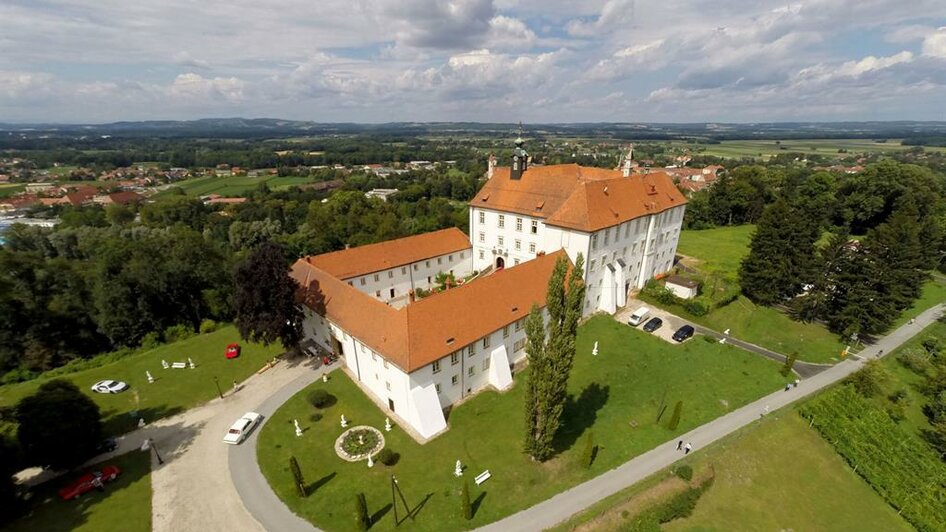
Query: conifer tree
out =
(675, 418)
(551, 356)
(361, 512)
(297, 475)
(781, 256)
(465, 505)
(590, 446)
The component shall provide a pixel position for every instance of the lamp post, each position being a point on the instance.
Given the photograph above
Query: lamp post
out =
(149, 444)
(217, 383)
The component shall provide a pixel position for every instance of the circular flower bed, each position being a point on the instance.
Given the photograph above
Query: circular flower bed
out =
(357, 443)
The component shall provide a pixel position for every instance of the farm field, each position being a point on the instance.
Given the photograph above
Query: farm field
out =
(174, 390)
(777, 474)
(765, 149)
(616, 395)
(237, 185)
(124, 506)
(9, 189)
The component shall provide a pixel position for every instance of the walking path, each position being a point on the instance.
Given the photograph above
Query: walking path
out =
(562, 506)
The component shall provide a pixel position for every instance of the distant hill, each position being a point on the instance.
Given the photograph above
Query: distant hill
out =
(280, 128)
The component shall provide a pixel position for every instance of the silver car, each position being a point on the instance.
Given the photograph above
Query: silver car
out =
(109, 387)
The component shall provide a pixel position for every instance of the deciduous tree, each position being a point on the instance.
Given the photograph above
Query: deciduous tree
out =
(58, 426)
(264, 298)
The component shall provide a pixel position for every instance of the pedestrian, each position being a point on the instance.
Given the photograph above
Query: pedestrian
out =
(912, 321)
(788, 386)
(687, 447)
(797, 382)
(765, 410)
(235, 386)
(680, 445)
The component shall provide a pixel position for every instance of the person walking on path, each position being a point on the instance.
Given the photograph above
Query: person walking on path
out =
(680, 445)
(687, 447)
(765, 410)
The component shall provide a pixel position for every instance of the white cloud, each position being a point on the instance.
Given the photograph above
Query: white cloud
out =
(192, 87)
(934, 44)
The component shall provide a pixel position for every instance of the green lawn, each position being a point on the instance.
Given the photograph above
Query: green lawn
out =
(616, 395)
(720, 249)
(9, 189)
(174, 390)
(777, 474)
(124, 506)
(934, 293)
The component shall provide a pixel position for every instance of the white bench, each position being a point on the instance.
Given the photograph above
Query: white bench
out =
(179, 365)
(482, 477)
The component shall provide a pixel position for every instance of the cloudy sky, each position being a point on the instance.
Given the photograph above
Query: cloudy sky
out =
(480, 60)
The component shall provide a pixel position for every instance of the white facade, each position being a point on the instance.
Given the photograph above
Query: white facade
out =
(485, 362)
(617, 258)
(394, 284)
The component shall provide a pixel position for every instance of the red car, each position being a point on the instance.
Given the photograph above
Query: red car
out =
(90, 481)
(233, 350)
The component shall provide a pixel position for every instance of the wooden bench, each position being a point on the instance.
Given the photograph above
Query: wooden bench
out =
(482, 477)
(179, 365)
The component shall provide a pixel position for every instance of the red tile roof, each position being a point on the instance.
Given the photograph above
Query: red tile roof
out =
(578, 197)
(431, 328)
(371, 258)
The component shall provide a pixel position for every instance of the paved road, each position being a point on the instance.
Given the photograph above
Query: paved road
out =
(245, 473)
(562, 506)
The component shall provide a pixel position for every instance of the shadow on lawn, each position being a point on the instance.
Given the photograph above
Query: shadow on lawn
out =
(313, 487)
(478, 502)
(580, 414)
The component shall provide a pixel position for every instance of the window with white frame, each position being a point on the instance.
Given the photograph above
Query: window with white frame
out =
(486, 364)
(535, 227)
(471, 350)
(594, 241)
(482, 217)
(390, 274)
(482, 254)
(519, 345)
(502, 221)
(518, 224)
(363, 281)
(376, 278)
(455, 380)
(437, 387)
(439, 260)
(404, 270)
(499, 240)
(482, 237)
(518, 245)
(387, 384)
(485, 341)
(531, 247)
(591, 267)
(519, 325)
(515, 262)
(436, 366)
(607, 235)
(470, 371)
(506, 332)
(627, 230)
(454, 358)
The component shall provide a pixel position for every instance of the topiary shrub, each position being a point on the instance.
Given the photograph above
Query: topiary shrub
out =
(208, 326)
(388, 457)
(685, 472)
(316, 416)
(320, 398)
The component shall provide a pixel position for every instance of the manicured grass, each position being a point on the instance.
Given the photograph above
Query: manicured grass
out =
(616, 395)
(124, 506)
(777, 474)
(174, 390)
(934, 293)
(720, 249)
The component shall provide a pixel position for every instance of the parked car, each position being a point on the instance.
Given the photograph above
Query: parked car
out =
(653, 325)
(106, 446)
(241, 428)
(90, 481)
(683, 333)
(109, 387)
(233, 350)
(638, 316)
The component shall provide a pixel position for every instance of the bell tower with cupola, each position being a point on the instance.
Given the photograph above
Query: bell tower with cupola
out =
(520, 158)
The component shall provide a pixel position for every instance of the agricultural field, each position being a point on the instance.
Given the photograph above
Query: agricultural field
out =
(616, 396)
(777, 474)
(173, 391)
(765, 149)
(9, 189)
(237, 185)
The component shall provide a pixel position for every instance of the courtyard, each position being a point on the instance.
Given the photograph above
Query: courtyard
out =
(617, 395)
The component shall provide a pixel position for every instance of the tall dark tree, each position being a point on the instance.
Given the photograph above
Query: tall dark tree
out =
(9, 501)
(551, 356)
(781, 256)
(814, 304)
(264, 298)
(59, 427)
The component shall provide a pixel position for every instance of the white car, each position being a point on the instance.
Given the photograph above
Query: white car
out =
(109, 387)
(241, 428)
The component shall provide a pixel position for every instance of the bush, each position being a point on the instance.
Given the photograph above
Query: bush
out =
(316, 416)
(869, 381)
(466, 507)
(388, 457)
(18, 375)
(695, 307)
(914, 361)
(320, 398)
(590, 448)
(208, 326)
(177, 332)
(362, 521)
(151, 340)
(685, 472)
(709, 339)
(727, 299)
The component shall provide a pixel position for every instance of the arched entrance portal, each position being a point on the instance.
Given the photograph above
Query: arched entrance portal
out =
(500, 263)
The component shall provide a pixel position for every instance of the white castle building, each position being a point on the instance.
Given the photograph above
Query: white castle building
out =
(417, 356)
